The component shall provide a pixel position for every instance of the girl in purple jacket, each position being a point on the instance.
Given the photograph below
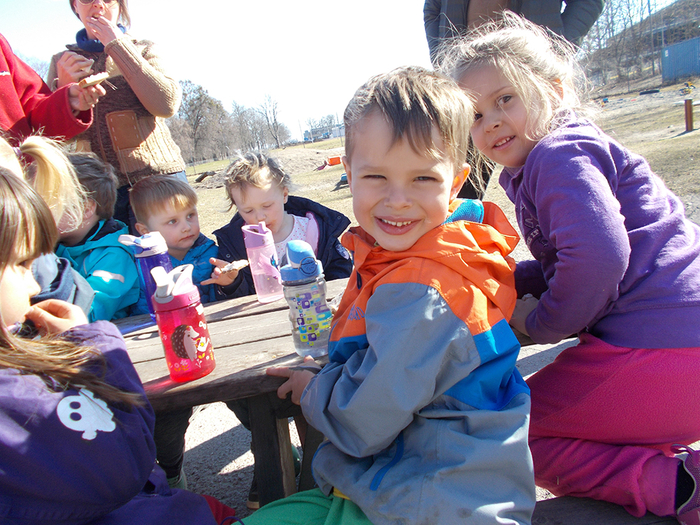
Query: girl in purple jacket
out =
(616, 262)
(76, 431)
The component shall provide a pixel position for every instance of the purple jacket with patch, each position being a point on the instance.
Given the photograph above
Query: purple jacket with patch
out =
(67, 457)
(615, 254)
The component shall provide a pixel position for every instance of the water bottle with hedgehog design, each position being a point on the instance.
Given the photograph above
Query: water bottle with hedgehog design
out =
(305, 291)
(181, 324)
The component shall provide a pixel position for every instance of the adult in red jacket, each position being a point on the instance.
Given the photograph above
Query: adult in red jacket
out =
(27, 104)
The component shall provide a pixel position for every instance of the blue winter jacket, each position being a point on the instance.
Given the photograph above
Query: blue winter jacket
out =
(109, 268)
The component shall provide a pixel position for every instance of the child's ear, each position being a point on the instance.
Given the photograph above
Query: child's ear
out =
(348, 173)
(141, 228)
(285, 192)
(89, 209)
(460, 177)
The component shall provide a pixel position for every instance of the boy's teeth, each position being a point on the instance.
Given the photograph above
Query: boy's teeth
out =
(399, 224)
(501, 142)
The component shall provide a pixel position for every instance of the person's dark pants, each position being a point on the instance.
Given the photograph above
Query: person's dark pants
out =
(169, 437)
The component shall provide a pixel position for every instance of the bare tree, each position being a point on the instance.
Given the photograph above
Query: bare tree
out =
(269, 111)
(40, 66)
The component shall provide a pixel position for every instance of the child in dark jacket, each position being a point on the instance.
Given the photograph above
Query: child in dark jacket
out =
(259, 188)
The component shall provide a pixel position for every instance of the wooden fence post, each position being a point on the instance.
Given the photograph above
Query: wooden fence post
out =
(688, 114)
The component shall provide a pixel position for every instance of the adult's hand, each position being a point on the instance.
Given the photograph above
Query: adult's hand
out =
(54, 316)
(72, 67)
(84, 99)
(105, 30)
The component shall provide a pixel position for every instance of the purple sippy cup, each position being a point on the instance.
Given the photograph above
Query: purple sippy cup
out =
(150, 251)
(262, 257)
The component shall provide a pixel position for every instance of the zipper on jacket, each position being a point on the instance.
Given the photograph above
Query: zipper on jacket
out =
(379, 476)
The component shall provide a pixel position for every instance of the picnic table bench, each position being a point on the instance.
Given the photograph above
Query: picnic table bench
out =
(248, 337)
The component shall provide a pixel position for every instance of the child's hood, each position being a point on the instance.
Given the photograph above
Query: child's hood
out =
(477, 251)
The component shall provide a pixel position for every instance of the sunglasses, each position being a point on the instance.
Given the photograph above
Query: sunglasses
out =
(107, 3)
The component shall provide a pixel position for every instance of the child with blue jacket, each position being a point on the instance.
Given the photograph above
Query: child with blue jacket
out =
(168, 205)
(425, 415)
(93, 247)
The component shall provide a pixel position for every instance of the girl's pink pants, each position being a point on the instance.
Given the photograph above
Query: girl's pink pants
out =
(604, 417)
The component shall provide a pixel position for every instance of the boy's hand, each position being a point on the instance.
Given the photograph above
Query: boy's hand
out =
(298, 378)
(224, 272)
(523, 307)
(55, 317)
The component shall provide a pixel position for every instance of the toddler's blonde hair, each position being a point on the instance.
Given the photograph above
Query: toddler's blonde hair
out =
(257, 170)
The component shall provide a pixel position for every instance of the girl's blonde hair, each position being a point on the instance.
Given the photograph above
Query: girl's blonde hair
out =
(51, 174)
(27, 227)
(539, 64)
(257, 170)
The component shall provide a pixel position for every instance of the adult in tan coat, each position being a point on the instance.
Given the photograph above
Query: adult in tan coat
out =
(129, 130)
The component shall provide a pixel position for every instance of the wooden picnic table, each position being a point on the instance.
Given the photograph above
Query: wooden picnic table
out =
(248, 337)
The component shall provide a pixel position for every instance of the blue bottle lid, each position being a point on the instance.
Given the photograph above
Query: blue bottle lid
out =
(302, 264)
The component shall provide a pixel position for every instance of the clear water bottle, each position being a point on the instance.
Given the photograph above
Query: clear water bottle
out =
(182, 325)
(262, 257)
(305, 291)
(150, 251)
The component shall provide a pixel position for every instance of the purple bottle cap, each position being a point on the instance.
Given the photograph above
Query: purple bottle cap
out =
(152, 243)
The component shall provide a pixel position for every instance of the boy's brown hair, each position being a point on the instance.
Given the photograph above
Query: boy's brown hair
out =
(99, 181)
(154, 193)
(413, 100)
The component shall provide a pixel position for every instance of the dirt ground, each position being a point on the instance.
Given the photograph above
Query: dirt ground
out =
(218, 460)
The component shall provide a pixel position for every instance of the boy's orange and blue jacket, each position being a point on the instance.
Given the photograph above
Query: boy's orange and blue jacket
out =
(425, 415)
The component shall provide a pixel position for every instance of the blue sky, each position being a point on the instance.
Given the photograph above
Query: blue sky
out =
(309, 56)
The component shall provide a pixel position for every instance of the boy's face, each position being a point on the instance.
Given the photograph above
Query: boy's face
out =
(398, 195)
(179, 228)
(261, 204)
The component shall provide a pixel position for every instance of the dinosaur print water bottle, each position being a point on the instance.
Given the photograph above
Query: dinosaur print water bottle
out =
(181, 324)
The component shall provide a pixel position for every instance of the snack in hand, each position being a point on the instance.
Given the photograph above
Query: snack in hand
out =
(235, 265)
(93, 80)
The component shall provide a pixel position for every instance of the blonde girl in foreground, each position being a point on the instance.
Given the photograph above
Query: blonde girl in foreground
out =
(616, 262)
(75, 429)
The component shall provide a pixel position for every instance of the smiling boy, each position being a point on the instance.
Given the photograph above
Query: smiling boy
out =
(425, 415)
